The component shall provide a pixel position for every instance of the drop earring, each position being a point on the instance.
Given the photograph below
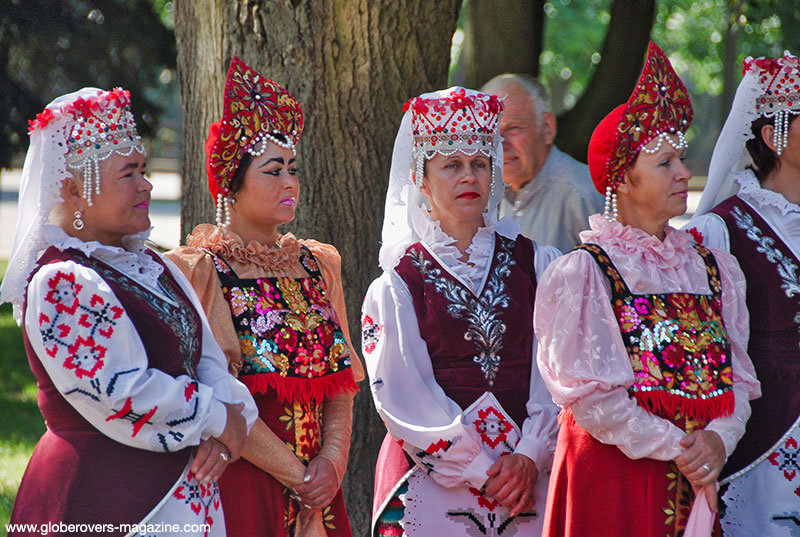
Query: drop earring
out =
(78, 222)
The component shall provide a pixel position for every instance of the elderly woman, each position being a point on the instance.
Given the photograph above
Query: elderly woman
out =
(642, 336)
(760, 225)
(448, 334)
(130, 378)
(277, 308)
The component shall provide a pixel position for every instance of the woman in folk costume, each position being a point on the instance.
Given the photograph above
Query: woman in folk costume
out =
(642, 337)
(758, 154)
(448, 335)
(130, 378)
(276, 306)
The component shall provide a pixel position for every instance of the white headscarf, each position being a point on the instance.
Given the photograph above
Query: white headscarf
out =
(406, 218)
(43, 174)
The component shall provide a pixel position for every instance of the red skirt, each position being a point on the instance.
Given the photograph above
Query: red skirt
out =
(596, 490)
(257, 504)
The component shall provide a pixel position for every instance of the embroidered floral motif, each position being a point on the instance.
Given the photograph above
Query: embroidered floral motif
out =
(485, 328)
(493, 427)
(202, 498)
(786, 459)
(304, 419)
(677, 344)
(77, 331)
(370, 334)
(787, 269)
(286, 325)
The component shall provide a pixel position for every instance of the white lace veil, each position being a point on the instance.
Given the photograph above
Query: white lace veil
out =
(406, 217)
(43, 173)
(730, 154)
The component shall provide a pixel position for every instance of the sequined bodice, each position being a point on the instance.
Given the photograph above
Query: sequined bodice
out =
(287, 327)
(677, 344)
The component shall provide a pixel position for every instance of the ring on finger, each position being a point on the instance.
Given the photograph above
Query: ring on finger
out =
(707, 468)
(224, 456)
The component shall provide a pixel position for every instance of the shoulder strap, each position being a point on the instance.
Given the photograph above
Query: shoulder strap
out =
(618, 285)
(221, 264)
(309, 262)
(712, 269)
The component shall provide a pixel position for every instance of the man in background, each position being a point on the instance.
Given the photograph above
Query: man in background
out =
(548, 192)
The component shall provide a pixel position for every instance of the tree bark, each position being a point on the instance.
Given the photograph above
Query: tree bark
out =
(622, 57)
(501, 36)
(730, 67)
(351, 65)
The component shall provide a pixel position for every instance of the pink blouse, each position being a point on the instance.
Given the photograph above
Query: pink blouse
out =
(582, 357)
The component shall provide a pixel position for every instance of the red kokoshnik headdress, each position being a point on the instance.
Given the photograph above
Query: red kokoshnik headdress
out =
(254, 110)
(659, 106)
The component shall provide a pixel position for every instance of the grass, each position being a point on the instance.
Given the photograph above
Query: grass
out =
(21, 423)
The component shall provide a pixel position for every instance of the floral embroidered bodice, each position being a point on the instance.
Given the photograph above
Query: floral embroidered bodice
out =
(677, 345)
(288, 331)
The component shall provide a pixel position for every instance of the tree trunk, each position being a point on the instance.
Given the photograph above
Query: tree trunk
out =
(501, 36)
(351, 65)
(730, 65)
(611, 84)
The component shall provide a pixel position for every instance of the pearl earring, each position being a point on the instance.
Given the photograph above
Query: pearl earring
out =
(78, 222)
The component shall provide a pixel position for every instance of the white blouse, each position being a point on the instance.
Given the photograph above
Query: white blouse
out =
(99, 347)
(582, 356)
(414, 408)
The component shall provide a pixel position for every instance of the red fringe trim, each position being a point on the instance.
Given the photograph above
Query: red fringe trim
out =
(704, 410)
(313, 390)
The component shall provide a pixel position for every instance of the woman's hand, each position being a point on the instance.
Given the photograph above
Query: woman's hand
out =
(319, 485)
(702, 459)
(511, 482)
(235, 432)
(210, 460)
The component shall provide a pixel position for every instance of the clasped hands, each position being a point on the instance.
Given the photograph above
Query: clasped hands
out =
(701, 463)
(214, 454)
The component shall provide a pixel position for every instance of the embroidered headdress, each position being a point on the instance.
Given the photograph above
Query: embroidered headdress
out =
(75, 132)
(769, 88)
(659, 106)
(441, 122)
(254, 110)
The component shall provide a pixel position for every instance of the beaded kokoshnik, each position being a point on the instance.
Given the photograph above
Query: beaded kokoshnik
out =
(658, 108)
(256, 111)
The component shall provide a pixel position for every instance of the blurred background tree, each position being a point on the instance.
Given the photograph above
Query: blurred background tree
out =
(51, 47)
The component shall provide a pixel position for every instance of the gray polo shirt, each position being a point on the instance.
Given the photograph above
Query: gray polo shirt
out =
(555, 206)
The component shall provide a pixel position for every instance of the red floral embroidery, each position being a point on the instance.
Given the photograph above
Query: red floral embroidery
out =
(63, 292)
(493, 427)
(370, 334)
(696, 235)
(85, 357)
(785, 458)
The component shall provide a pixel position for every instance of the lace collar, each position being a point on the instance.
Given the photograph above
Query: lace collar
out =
(631, 241)
(131, 259)
(229, 245)
(751, 189)
(479, 252)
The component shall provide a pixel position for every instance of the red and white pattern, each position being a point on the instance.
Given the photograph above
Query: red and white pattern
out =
(766, 499)
(432, 509)
(370, 334)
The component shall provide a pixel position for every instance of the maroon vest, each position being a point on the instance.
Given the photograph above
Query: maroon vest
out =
(478, 343)
(774, 305)
(76, 473)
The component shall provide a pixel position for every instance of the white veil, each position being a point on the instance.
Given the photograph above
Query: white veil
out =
(406, 216)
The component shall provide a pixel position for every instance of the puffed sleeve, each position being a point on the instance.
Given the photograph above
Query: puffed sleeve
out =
(737, 324)
(330, 264)
(710, 230)
(414, 408)
(585, 365)
(213, 367)
(198, 267)
(93, 354)
(540, 428)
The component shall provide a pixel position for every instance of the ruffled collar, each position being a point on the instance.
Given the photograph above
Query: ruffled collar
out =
(750, 188)
(633, 242)
(479, 252)
(131, 258)
(227, 244)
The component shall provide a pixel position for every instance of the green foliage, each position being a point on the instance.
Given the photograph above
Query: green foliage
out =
(21, 422)
(52, 47)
